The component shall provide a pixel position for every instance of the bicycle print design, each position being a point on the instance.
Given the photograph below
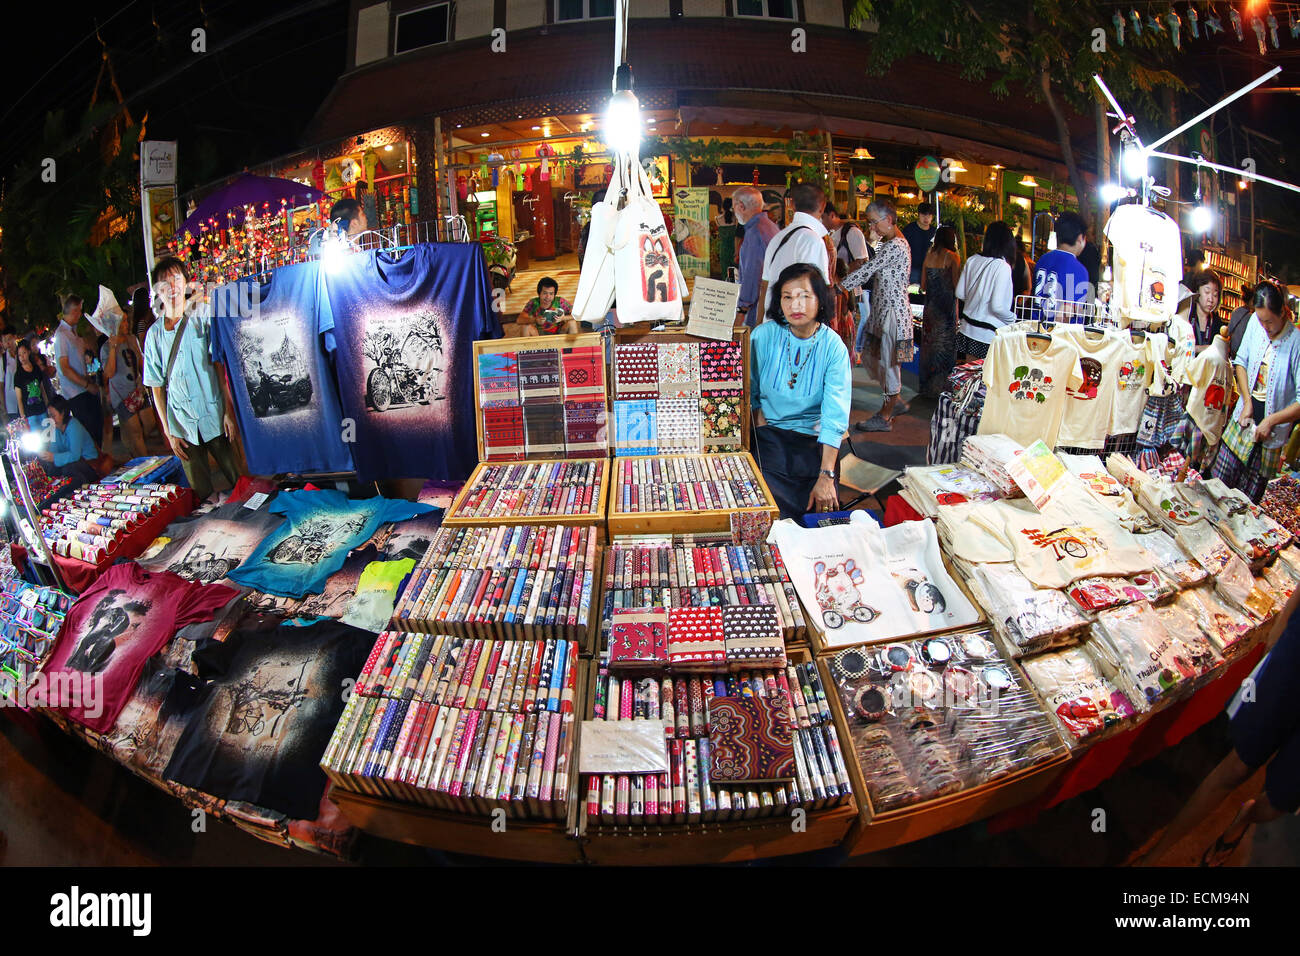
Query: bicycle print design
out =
(1068, 542)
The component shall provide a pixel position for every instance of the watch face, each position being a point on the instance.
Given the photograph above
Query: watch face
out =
(870, 702)
(936, 651)
(996, 677)
(898, 657)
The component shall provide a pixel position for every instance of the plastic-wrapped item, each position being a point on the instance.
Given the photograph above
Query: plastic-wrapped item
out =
(1282, 579)
(1225, 626)
(1198, 649)
(1152, 663)
(1026, 616)
(1171, 560)
(1097, 594)
(1152, 585)
(1083, 700)
(958, 716)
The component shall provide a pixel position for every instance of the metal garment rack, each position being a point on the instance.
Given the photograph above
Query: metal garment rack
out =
(27, 516)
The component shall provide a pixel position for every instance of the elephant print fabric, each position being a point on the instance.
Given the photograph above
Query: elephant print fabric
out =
(285, 398)
(871, 584)
(122, 620)
(1028, 380)
(402, 331)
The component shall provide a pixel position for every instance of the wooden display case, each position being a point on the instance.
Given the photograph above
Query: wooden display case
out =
(663, 522)
(726, 841)
(595, 516)
(558, 342)
(499, 836)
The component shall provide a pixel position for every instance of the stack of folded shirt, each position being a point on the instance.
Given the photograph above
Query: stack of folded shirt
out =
(1225, 626)
(1029, 619)
(1246, 522)
(1083, 700)
(930, 488)
(1170, 559)
(1199, 649)
(989, 455)
(963, 538)
(1151, 664)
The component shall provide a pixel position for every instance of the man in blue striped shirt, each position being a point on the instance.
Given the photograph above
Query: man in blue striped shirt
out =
(757, 230)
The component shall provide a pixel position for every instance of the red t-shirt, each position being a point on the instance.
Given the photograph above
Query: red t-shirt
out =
(123, 619)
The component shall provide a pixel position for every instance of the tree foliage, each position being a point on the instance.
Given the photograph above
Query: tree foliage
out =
(79, 230)
(1045, 50)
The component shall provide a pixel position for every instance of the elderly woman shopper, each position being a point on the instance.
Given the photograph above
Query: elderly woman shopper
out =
(1267, 367)
(889, 327)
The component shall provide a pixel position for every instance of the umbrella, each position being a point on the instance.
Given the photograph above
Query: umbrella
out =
(247, 189)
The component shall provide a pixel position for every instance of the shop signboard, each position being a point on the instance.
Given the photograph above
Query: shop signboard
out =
(691, 230)
(158, 212)
(927, 173)
(864, 190)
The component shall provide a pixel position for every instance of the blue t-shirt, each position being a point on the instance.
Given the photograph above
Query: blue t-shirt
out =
(1059, 276)
(285, 398)
(321, 528)
(402, 332)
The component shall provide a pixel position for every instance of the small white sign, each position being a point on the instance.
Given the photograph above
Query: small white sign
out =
(158, 162)
(713, 309)
(256, 501)
(623, 746)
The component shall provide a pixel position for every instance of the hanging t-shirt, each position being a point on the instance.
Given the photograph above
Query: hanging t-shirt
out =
(285, 398)
(125, 617)
(1134, 378)
(1089, 408)
(323, 527)
(1148, 263)
(206, 547)
(1027, 386)
(1209, 375)
(402, 331)
(257, 731)
(376, 593)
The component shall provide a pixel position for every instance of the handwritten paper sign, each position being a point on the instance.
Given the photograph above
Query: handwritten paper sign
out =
(713, 309)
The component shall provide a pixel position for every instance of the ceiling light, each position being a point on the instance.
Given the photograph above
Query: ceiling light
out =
(388, 148)
(1241, 184)
(623, 122)
(536, 127)
(1202, 219)
(862, 153)
(483, 135)
(998, 166)
(1029, 181)
(956, 166)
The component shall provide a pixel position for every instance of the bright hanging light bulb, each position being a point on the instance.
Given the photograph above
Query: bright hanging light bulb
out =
(1134, 161)
(1201, 219)
(622, 132)
(1111, 192)
(33, 442)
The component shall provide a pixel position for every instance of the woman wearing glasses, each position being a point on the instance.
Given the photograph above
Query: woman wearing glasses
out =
(801, 386)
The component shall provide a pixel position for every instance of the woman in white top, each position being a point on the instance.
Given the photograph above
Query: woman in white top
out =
(985, 293)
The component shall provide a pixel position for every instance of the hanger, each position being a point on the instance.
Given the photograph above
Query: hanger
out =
(1137, 336)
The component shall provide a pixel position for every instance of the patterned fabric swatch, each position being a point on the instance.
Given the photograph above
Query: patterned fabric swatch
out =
(695, 638)
(634, 428)
(498, 379)
(720, 418)
(750, 527)
(677, 425)
(636, 369)
(503, 432)
(539, 374)
(544, 429)
(638, 639)
(753, 636)
(584, 371)
(679, 366)
(585, 432)
(720, 365)
(751, 740)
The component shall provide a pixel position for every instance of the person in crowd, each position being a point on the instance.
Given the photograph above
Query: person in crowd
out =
(76, 383)
(801, 388)
(545, 313)
(1240, 320)
(847, 240)
(889, 325)
(72, 451)
(30, 386)
(1091, 259)
(13, 407)
(1202, 308)
(1022, 270)
(141, 316)
(195, 416)
(919, 236)
(803, 240)
(756, 232)
(347, 218)
(1267, 368)
(985, 292)
(726, 223)
(939, 276)
(1060, 279)
(122, 359)
(1265, 733)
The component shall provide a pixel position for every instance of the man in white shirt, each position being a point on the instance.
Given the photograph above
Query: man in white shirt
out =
(76, 383)
(804, 240)
(847, 240)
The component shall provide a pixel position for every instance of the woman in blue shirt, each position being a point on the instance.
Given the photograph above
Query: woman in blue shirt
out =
(801, 386)
(72, 452)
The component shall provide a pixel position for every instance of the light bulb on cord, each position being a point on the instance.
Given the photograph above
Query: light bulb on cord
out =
(1202, 219)
(32, 442)
(622, 131)
(1111, 193)
(1134, 161)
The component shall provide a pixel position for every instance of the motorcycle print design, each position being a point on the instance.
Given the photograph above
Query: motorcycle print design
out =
(839, 595)
(405, 361)
(113, 616)
(316, 538)
(276, 365)
(1030, 384)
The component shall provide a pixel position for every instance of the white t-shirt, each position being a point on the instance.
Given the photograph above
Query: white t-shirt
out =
(1027, 386)
(805, 243)
(986, 293)
(849, 248)
(1088, 409)
(1148, 263)
(1209, 376)
(1135, 376)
